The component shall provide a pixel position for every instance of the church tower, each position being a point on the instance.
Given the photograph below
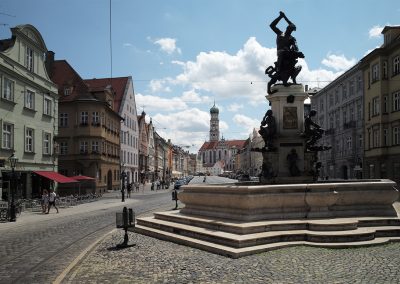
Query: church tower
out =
(214, 123)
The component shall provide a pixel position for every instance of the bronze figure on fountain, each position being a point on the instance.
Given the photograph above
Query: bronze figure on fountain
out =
(285, 67)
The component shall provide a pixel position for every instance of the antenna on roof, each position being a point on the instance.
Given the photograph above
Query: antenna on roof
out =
(111, 57)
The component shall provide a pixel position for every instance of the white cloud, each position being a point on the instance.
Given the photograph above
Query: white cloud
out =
(159, 104)
(157, 86)
(247, 123)
(234, 107)
(338, 62)
(186, 127)
(168, 45)
(192, 96)
(127, 44)
(375, 32)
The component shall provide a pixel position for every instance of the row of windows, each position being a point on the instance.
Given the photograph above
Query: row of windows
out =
(96, 147)
(130, 123)
(374, 137)
(375, 70)
(8, 91)
(128, 139)
(7, 137)
(129, 158)
(394, 104)
(63, 120)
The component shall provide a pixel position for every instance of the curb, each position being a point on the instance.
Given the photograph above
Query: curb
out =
(80, 257)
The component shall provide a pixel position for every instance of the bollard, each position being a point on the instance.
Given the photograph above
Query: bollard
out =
(175, 197)
(124, 220)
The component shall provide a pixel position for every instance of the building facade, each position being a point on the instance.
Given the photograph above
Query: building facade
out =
(381, 73)
(340, 112)
(89, 128)
(28, 111)
(125, 106)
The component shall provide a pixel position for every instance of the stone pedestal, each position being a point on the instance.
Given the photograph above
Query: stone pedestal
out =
(287, 104)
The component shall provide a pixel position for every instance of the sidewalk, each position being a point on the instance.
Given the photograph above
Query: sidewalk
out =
(108, 200)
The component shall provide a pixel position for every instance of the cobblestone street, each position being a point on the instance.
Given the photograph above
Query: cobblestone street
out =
(155, 261)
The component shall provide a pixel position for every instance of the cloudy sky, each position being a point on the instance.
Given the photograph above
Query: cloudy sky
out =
(185, 54)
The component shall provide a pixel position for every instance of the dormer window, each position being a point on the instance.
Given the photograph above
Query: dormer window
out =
(67, 91)
(29, 59)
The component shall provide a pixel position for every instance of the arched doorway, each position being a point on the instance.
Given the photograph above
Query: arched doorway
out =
(109, 180)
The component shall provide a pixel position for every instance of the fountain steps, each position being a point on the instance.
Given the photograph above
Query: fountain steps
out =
(237, 239)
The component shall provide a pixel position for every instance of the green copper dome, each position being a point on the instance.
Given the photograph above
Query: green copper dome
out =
(214, 109)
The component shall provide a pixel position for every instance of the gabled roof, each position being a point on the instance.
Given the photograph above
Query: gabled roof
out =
(65, 76)
(230, 143)
(118, 84)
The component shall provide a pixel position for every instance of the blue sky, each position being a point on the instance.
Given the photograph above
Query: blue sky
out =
(183, 55)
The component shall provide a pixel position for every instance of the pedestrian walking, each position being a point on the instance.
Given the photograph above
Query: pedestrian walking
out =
(45, 200)
(129, 189)
(52, 200)
(137, 186)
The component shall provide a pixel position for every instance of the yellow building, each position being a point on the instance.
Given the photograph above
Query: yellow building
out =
(381, 72)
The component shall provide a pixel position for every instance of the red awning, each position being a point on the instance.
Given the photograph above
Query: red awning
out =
(79, 178)
(55, 176)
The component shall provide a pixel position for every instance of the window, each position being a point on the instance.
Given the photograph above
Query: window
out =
(8, 136)
(344, 116)
(351, 88)
(63, 121)
(8, 89)
(321, 105)
(385, 104)
(29, 59)
(384, 70)
(47, 106)
(385, 137)
(336, 96)
(375, 72)
(29, 135)
(95, 146)
(375, 136)
(359, 111)
(95, 118)
(396, 65)
(349, 143)
(83, 147)
(375, 106)
(331, 125)
(359, 83)
(330, 100)
(63, 148)
(344, 91)
(352, 113)
(396, 101)
(84, 118)
(30, 99)
(396, 135)
(46, 143)
(67, 91)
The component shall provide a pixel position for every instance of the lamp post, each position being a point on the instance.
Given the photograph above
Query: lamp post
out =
(13, 162)
(123, 176)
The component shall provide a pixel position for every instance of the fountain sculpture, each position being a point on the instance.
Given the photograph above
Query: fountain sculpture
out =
(288, 206)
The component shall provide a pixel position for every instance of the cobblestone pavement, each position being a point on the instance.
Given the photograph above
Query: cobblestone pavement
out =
(155, 261)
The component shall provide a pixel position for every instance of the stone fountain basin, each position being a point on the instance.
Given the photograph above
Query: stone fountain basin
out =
(360, 198)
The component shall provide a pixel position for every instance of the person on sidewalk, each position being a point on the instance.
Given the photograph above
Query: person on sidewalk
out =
(52, 200)
(45, 200)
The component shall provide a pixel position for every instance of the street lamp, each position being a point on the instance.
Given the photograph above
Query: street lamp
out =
(13, 163)
(123, 176)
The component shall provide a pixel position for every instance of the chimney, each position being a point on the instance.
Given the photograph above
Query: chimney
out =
(49, 63)
(306, 88)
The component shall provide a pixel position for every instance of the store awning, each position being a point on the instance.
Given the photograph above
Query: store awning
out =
(55, 176)
(82, 178)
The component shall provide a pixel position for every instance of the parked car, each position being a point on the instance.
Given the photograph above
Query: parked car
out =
(244, 177)
(179, 183)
